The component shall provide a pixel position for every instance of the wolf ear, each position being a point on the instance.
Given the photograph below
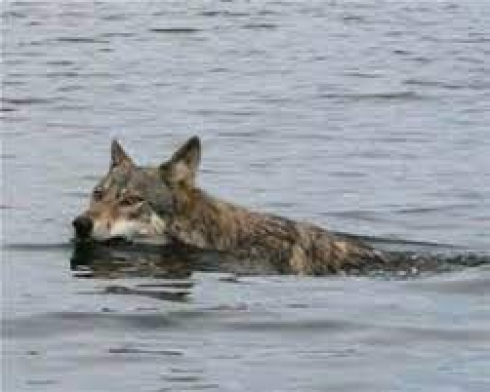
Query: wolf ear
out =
(118, 155)
(182, 167)
(189, 153)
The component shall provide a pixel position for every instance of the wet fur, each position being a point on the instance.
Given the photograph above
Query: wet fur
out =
(202, 221)
(193, 218)
(290, 247)
(129, 202)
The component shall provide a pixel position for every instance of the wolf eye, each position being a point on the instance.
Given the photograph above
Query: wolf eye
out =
(97, 194)
(131, 200)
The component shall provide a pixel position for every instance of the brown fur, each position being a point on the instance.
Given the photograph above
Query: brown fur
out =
(205, 222)
(158, 204)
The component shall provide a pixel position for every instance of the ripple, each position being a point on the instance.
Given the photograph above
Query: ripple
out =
(425, 210)
(62, 63)
(37, 247)
(407, 334)
(259, 26)
(175, 296)
(62, 323)
(7, 110)
(27, 101)
(6, 155)
(133, 350)
(224, 13)
(175, 30)
(395, 96)
(81, 40)
(123, 34)
(67, 107)
(77, 194)
(367, 75)
(356, 19)
(115, 17)
(366, 215)
(433, 83)
(13, 14)
(70, 88)
(473, 286)
(62, 74)
(305, 326)
(41, 382)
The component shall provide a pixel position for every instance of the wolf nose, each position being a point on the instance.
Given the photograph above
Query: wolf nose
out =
(83, 226)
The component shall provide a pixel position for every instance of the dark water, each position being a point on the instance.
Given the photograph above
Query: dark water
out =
(369, 117)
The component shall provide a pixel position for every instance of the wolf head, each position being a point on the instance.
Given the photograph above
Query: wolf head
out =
(134, 202)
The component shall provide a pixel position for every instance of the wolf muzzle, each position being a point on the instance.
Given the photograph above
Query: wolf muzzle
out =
(83, 226)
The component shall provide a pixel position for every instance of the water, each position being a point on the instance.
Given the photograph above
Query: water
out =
(369, 117)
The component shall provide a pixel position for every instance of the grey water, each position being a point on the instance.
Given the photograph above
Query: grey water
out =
(368, 117)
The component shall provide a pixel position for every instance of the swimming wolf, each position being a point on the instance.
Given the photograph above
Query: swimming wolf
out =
(163, 204)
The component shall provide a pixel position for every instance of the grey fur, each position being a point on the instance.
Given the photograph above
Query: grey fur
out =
(198, 220)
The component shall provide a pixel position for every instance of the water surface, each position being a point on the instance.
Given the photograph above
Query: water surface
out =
(368, 117)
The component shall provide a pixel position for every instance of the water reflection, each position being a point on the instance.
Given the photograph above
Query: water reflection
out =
(128, 260)
(174, 262)
(169, 269)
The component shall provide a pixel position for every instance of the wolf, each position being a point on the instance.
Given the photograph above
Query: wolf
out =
(163, 204)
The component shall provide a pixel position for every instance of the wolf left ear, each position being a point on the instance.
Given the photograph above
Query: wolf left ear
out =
(118, 155)
(182, 167)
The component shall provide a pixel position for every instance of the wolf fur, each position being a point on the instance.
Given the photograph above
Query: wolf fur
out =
(128, 202)
(188, 215)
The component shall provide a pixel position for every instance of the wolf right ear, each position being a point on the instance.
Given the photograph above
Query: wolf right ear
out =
(118, 155)
(182, 167)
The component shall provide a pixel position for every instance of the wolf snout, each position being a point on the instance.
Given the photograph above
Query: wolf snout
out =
(83, 226)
